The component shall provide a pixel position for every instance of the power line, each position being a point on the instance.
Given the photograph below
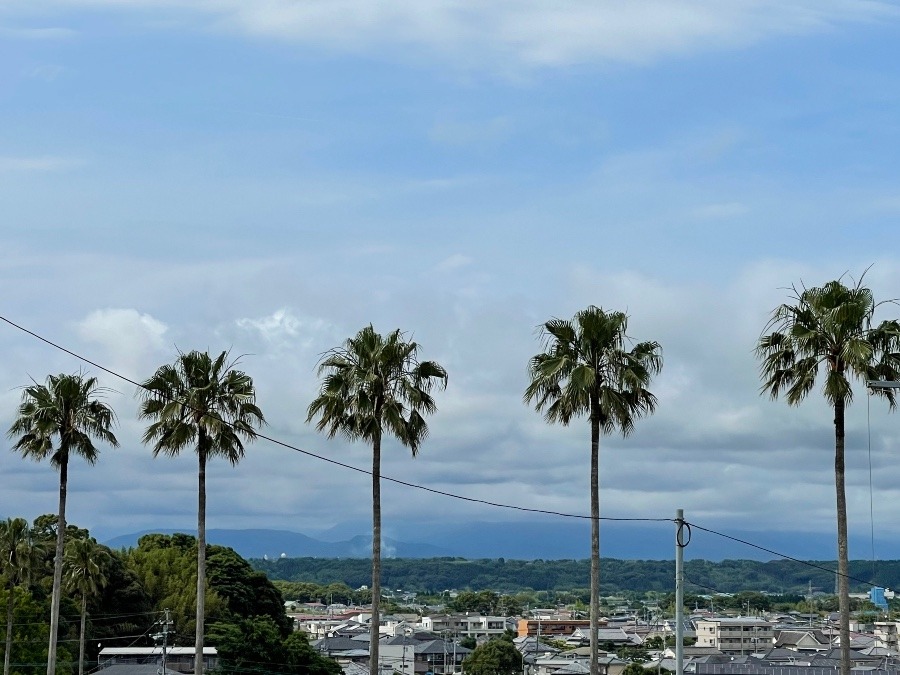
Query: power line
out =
(94, 618)
(442, 493)
(780, 555)
(335, 462)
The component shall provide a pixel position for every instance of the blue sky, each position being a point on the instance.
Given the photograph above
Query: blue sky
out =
(270, 177)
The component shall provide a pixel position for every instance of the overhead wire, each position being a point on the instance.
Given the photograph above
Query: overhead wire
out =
(778, 554)
(289, 446)
(335, 462)
(97, 618)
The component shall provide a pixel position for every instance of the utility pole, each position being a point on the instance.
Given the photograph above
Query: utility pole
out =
(810, 608)
(403, 658)
(445, 635)
(680, 542)
(164, 636)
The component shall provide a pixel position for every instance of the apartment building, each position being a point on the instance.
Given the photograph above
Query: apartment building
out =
(552, 627)
(463, 625)
(886, 634)
(735, 635)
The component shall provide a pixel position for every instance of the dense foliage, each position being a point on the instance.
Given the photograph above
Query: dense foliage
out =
(258, 645)
(495, 657)
(569, 578)
(140, 583)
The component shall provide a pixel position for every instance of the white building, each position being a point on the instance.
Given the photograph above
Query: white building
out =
(463, 625)
(740, 635)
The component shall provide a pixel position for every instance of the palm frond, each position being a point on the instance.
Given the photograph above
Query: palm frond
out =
(374, 384)
(200, 397)
(586, 369)
(63, 416)
(827, 331)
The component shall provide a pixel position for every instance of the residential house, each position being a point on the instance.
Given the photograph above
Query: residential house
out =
(690, 652)
(616, 637)
(803, 640)
(180, 659)
(576, 662)
(438, 657)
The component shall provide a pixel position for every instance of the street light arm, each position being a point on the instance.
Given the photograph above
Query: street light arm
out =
(883, 384)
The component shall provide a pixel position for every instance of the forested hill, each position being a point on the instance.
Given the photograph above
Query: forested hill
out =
(616, 576)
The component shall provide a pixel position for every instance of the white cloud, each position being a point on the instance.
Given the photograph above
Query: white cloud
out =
(480, 133)
(28, 33)
(720, 211)
(47, 72)
(133, 342)
(541, 33)
(283, 329)
(454, 262)
(531, 32)
(37, 163)
(278, 325)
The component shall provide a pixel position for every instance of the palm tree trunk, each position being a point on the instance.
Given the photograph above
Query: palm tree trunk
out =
(374, 628)
(58, 560)
(9, 624)
(81, 634)
(595, 534)
(843, 565)
(201, 558)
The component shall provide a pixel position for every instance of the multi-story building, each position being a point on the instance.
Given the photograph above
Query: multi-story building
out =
(552, 627)
(464, 625)
(886, 634)
(735, 635)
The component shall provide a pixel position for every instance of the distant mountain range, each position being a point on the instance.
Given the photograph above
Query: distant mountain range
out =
(275, 543)
(530, 541)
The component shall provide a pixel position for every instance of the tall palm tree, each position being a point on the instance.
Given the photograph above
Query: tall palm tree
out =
(84, 564)
(830, 329)
(207, 403)
(586, 368)
(65, 410)
(374, 385)
(20, 552)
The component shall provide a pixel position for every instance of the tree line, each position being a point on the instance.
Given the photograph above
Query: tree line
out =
(319, 578)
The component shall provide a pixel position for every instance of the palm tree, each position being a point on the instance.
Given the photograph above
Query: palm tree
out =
(65, 410)
(209, 404)
(586, 369)
(20, 552)
(375, 385)
(830, 329)
(84, 565)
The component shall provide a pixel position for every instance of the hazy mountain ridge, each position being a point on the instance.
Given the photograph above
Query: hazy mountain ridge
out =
(261, 543)
(543, 540)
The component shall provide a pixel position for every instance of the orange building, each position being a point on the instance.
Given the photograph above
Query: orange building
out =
(552, 627)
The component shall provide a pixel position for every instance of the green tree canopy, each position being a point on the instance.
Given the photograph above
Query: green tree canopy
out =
(495, 657)
(256, 645)
(166, 565)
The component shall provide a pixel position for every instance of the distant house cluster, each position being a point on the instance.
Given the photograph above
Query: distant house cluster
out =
(557, 643)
